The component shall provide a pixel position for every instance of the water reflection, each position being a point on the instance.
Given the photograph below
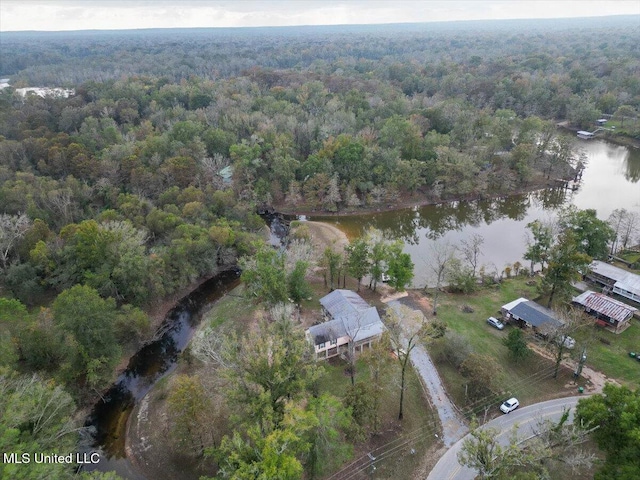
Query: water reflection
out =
(433, 221)
(609, 182)
(632, 166)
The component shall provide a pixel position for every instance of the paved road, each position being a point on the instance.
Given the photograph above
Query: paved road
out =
(448, 467)
(453, 428)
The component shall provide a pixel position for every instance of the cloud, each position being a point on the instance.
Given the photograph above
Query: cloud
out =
(119, 14)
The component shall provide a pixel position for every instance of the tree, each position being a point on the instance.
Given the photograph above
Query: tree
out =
(455, 348)
(12, 229)
(481, 372)
(406, 329)
(460, 277)
(592, 235)
(267, 368)
(472, 250)
(522, 458)
(378, 257)
(13, 316)
(441, 256)
(297, 285)
(624, 224)
(359, 399)
(624, 111)
(517, 344)
(483, 453)
(566, 261)
(378, 361)
(558, 336)
(188, 407)
(538, 246)
(327, 437)
(36, 417)
(358, 264)
(400, 266)
(89, 322)
(614, 419)
(331, 262)
(264, 275)
(259, 455)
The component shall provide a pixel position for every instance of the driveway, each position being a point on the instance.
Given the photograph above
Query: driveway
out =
(525, 418)
(453, 427)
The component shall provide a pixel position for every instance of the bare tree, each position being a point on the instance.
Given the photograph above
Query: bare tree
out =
(551, 444)
(630, 228)
(441, 255)
(559, 337)
(352, 326)
(472, 250)
(616, 220)
(12, 229)
(406, 329)
(625, 225)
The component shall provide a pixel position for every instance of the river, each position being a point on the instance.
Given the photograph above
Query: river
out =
(108, 421)
(610, 181)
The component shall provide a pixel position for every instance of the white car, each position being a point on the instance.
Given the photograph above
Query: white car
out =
(509, 405)
(494, 322)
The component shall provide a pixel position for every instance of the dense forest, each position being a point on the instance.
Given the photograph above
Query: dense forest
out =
(149, 176)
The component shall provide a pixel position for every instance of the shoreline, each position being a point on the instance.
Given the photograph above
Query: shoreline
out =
(411, 202)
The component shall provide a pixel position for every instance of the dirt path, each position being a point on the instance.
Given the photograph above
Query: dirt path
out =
(324, 235)
(595, 379)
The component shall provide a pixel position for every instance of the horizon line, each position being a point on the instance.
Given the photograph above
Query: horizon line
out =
(254, 27)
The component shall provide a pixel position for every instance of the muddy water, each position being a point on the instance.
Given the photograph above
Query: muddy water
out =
(108, 420)
(611, 180)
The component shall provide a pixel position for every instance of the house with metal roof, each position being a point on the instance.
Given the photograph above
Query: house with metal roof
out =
(609, 312)
(348, 319)
(527, 313)
(615, 279)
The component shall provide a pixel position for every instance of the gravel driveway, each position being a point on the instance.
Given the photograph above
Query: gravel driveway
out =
(453, 427)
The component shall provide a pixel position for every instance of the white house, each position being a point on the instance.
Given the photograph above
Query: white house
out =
(348, 319)
(617, 280)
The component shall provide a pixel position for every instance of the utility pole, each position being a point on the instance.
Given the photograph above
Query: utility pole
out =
(581, 362)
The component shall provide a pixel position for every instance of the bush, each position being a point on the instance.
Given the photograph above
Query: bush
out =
(455, 348)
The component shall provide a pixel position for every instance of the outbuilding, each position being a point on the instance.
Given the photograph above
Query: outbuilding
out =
(527, 313)
(609, 312)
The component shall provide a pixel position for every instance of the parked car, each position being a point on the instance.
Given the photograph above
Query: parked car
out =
(494, 322)
(569, 342)
(385, 277)
(509, 405)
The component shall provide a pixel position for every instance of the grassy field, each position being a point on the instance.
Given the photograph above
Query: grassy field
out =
(609, 353)
(530, 380)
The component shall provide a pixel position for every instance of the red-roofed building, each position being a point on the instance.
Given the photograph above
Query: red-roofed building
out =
(608, 311)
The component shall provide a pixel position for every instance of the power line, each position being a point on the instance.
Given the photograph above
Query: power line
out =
(429, 428)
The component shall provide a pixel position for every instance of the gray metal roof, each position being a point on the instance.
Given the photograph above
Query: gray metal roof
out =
(535, 315)
(343, 302)
(608, 306)
(624, 280)
(351, 316)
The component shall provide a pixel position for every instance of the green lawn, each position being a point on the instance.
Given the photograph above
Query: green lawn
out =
(609, 353)
(530, 380)
(232, 306)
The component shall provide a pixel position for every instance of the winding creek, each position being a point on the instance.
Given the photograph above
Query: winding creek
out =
(610, 181)
(108, 420)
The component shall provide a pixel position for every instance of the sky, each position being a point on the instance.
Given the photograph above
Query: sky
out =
(55, 15)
